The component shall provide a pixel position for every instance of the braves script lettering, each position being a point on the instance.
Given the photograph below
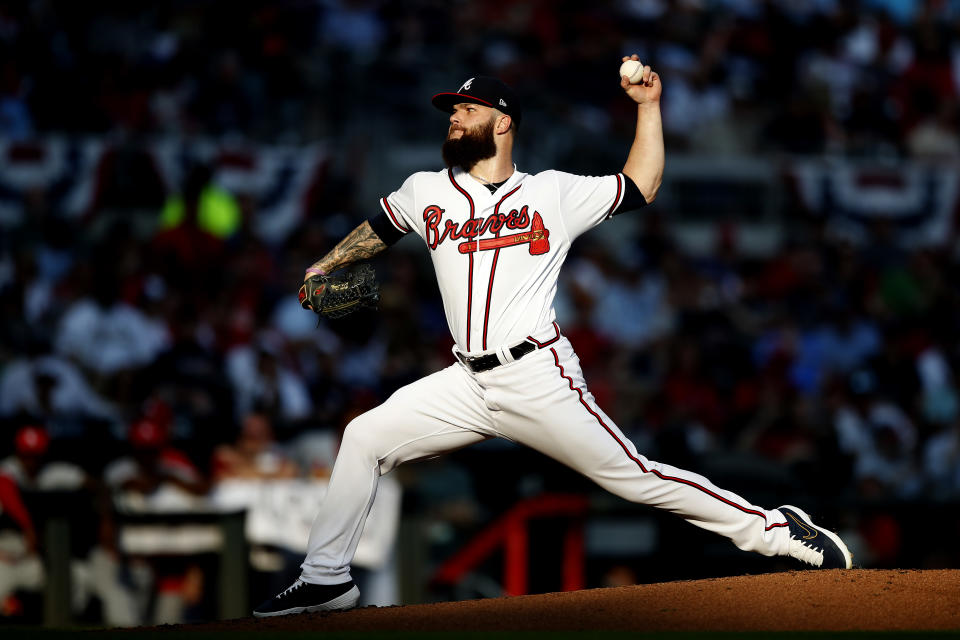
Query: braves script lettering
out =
(470, 229)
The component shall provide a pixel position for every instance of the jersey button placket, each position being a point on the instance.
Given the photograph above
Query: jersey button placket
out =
(488, 265)
(477, 288)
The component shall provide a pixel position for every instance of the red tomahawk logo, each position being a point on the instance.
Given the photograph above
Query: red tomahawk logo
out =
(537, 237)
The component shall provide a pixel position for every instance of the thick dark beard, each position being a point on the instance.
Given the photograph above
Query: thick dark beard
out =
(470, 148)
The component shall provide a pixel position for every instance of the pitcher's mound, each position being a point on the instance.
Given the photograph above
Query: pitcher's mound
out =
(797, 600)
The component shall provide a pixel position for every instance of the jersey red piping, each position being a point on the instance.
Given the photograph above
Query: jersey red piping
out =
(393, 217)
(470, 256)
(556, 360)
(548, 342)
(616, 200)
(493, 270)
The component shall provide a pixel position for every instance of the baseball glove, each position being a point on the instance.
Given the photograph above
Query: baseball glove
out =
(335, 296)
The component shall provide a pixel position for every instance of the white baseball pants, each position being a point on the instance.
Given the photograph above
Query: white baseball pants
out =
(540, 401)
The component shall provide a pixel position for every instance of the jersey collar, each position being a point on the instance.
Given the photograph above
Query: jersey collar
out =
(471, 184)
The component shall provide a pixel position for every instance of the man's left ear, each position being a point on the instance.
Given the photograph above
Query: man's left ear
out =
(503, 123)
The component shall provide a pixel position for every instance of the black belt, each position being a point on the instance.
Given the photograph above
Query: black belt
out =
(489, 361)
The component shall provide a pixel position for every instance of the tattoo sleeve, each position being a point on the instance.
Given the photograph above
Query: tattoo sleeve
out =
(360, 244)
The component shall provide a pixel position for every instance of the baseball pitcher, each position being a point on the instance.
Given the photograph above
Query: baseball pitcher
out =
(498, 237)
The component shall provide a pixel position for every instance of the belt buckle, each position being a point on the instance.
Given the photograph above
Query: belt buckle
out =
(465, 360)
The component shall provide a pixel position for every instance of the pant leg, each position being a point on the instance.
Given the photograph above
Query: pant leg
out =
(433, 415)
(546, 406)
(119, 603)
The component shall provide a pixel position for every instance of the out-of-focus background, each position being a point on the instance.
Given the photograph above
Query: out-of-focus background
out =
(784, 319)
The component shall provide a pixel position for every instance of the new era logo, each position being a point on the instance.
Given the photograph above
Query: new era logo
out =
(503, 103)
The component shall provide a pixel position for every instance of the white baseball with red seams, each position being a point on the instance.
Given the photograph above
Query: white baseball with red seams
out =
(633, 69)
(497, 257)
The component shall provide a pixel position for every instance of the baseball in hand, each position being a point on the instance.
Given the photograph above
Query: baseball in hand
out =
(633, 69)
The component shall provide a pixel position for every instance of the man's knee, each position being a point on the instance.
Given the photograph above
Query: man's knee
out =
(362, 435)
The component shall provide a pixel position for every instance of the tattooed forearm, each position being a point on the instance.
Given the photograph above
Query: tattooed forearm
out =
(360, 244)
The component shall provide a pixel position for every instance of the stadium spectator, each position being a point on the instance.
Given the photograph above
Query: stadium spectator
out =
(254, 455)
(95, 569)
(30, 469)
(263, 379)
(20, 566)
(51, 389)
(158, 478)
(107, 336)
(154, 476)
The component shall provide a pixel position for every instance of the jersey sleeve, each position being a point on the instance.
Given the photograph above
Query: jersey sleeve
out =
(385, 229)
(400, 205)
(586, 201)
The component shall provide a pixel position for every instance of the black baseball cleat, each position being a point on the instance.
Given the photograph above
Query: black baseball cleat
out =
(812, 545)
(303, 597)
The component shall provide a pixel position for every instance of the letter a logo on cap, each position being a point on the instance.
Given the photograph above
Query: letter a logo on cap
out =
(466, 86)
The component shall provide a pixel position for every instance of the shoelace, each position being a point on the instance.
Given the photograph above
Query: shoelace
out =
(805, 552)
(296, 585)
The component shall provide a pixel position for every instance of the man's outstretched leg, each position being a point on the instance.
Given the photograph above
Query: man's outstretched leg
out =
(434, 415)
(554, 413)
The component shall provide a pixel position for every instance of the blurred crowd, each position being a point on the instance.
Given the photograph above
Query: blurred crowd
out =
(145, 358)
(863, 77)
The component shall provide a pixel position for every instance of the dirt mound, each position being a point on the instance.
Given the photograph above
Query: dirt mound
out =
(800, 600)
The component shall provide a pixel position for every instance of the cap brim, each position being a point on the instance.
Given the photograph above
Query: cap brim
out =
(445, 101)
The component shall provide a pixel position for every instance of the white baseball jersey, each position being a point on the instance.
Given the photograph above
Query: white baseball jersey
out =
(497, 255)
